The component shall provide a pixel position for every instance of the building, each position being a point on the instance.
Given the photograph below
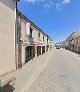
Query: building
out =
(73, 42)
(79, 44)
(21, 40)
(7, 35)
(31, 40)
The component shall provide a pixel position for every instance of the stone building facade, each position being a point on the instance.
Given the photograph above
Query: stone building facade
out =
(20, 40)
(73, 42)
(31, 41)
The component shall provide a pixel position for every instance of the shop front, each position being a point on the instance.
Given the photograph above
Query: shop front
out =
(38, 50)
(29, 53)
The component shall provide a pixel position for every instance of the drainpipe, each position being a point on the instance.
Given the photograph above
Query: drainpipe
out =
(16, 49)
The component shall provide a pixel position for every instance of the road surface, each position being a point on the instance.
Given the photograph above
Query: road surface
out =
(61, 74)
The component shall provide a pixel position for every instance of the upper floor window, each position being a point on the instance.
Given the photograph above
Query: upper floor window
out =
(39, 35)
(43, 38)
(79, 40)
(76, 41)
(31, 31)
(47, 40)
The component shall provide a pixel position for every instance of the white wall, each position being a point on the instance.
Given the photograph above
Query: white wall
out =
(35, 36)
(23, 29)
(7, 35)
(24, 38)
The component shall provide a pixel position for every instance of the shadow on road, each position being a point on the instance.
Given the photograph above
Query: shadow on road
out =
(8, 88)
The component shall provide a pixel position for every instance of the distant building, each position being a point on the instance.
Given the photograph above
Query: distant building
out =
(73, 42)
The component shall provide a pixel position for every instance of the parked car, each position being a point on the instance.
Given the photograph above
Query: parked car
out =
(58, 47)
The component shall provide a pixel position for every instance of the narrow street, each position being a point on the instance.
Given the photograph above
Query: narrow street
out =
(40, 46)
(61, 74)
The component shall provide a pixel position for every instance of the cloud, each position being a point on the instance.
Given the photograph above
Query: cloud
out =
(34, 1)
(48, 5)
(60, 5)
(54, 33)
(66, 1)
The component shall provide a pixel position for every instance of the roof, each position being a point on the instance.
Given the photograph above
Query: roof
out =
(19, 13)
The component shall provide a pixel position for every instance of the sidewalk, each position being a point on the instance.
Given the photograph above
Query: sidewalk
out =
(73, 53)
(26, 76)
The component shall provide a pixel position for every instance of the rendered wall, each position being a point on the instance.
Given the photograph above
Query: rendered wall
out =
(7, 36)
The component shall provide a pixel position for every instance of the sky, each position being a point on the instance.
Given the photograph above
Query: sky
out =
(57, 18)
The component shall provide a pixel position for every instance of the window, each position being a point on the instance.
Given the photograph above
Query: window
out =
(31, 31)
(47, 40)
(39, 35)
(76, 41)
(43, 38)
(79, 40)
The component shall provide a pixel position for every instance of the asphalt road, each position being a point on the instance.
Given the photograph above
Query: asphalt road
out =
(61, 74)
